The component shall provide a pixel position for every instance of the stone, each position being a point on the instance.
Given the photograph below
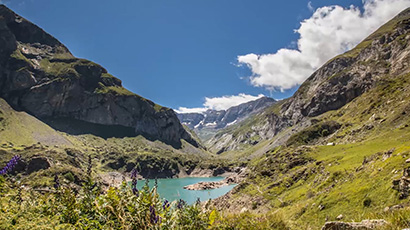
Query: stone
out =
(339, 217)
(363, 225)
(321, 207)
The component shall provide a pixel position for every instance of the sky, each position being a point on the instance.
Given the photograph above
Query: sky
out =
(193, 55)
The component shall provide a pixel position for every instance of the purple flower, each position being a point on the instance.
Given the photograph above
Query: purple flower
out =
(180, 203)
(153, 216)
(10, 165)
(134, 182)
(134, 173)
(165, 205)
(56, 182)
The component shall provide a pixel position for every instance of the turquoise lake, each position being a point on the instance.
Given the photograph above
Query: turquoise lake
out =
(172, 189)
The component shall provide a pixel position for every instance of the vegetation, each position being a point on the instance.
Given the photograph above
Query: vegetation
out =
(300, 184)
(313, 132)
(90, 208)
(311, 183)
(94, 207)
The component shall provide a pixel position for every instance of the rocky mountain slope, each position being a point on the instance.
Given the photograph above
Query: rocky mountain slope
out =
(39, 75)
(339, 148)
(208, 123)
(335, 84)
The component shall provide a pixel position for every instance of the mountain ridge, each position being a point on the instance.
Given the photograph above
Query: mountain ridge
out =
(335, 84)
(209, 122)
(35, 65)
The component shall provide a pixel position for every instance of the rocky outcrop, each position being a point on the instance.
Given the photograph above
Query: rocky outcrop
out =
(363, 225)
(39, 75)
(214, 184)
(349, 75)
(208, 123)
(402, 185)
(384, 53)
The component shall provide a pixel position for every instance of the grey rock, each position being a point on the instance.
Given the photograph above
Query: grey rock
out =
(364, 225)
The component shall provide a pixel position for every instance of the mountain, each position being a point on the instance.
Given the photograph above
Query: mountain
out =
(336, 152)
(338, 149)
(381, 56)
(208, 123)
(39, 75)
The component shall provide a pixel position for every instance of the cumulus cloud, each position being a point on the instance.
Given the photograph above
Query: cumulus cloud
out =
(330, 31)
(190, 110)
(220, 103)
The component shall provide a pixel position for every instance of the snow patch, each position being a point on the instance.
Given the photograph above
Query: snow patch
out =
(211, 124)
(231, 123)
(199, 124)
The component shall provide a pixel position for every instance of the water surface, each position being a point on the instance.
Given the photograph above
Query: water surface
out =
(172, 189)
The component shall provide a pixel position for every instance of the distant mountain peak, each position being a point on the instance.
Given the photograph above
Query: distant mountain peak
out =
(209, 122)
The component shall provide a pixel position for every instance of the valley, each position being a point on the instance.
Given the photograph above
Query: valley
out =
(334, 154)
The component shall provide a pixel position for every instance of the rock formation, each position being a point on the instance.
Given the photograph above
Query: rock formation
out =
(39, 75)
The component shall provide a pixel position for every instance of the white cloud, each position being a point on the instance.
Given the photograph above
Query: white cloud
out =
(330, 31)
(220, 103)
(190, 110)
(310, 6)
(225, 102)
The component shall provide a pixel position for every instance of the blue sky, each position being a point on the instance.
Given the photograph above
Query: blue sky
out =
(178, 53)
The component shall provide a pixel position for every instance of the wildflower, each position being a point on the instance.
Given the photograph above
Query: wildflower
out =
(134, 182)
(10, 165)
(56, 182)
(90, 166)
(153, 216)
(166, 204)
(180, 203)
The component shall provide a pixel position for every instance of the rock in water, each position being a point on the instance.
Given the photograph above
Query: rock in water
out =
(39, 75)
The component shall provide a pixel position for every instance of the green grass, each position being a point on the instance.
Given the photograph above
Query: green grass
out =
(313, 132)
(335, 176)
(116, 90)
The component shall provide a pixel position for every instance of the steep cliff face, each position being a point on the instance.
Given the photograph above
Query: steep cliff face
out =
(384, 53)
(208, 123)
(39, 75)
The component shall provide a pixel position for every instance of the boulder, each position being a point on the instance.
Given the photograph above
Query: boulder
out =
(364, 225)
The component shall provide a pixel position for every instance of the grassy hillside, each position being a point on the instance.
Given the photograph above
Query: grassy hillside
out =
(310, 182)
(348, 161)
(23, 134)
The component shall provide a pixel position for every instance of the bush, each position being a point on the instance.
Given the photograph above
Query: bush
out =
(367, 202)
